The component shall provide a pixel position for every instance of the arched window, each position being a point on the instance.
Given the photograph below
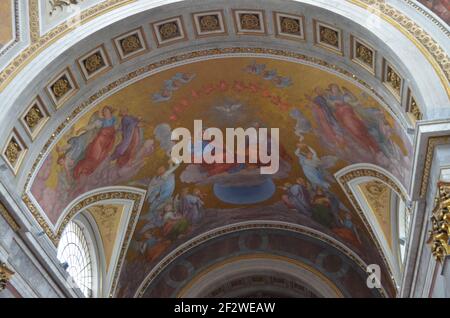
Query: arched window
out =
(74, 254)
(403, 228)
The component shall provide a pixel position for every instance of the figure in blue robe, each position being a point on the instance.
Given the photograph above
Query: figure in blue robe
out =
(160, 190)
(298, 195)
(131, 139)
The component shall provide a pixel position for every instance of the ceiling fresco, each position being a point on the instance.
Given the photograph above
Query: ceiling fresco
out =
(325, 122)
(6, 22)
(440, 7)
(338, 270)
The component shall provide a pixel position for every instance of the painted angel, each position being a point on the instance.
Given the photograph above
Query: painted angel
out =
(315, 168)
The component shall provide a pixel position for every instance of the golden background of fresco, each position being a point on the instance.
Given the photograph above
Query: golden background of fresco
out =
(138, 99)
(380, 204)
(107, 218)
(6, 21)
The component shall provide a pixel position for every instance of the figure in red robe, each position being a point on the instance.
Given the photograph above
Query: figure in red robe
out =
(100, 147)
(350, 121)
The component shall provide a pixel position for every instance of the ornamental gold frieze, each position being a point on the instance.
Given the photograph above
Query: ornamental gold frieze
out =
(440, 224)
(5, 275)
(428, 46)
(435, 54)
(443, 27)
(39, 43)
(238, 227)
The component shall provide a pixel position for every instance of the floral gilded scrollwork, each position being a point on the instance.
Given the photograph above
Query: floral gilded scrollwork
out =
(440, 224)
(209, 23)
(250, 21)
(329, 36)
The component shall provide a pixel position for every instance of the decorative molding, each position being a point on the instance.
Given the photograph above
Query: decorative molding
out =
(429, 15)
(5, 275)
(440, 224)
(17, 31)
(434, 53)
(427, 45)
(433, 142)
(39, 43)
(9, 218)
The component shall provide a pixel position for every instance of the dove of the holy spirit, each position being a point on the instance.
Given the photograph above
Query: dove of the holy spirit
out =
(251, 145)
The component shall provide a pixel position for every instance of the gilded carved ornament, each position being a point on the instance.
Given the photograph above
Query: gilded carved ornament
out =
(440, 224)
(249, 21)
(393, 79)
(131, 44)
(364, 54)
(33, 117)
(414, 110)
(5, 275)
(290, 25)
(13, 151)
(93, 63)
(169, 30)
(329, 36)
(209, 23)
(61, 87)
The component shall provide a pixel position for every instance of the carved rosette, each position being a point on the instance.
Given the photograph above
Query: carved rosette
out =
(440, 224)
(5, 275)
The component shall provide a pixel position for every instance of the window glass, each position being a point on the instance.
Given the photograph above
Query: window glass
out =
(73, 253)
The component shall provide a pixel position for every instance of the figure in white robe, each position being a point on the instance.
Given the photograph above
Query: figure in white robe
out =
(315, 168)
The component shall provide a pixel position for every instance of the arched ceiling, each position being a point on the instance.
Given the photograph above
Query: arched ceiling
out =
(267, 249)
(326, 123)
(340, 85)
